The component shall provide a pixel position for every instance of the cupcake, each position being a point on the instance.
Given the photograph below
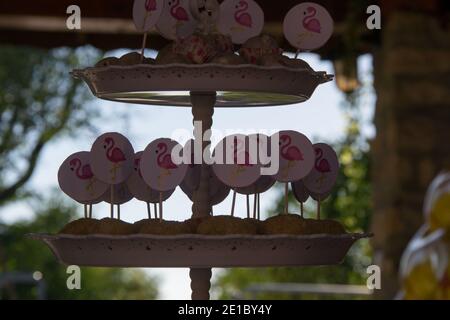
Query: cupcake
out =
(284, 224)
(157, 227)
(114, 227)
(195, 48)
(168, 55)
(130, 58)
(224, 225)
(110, 61)
(81, 226)
(257, 47)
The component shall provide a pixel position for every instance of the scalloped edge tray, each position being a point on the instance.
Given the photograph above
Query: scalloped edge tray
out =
(199, 251)
(236, 85)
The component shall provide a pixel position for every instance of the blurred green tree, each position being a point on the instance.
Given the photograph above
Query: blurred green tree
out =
(350, 203)
(20, 253)
(39, 101)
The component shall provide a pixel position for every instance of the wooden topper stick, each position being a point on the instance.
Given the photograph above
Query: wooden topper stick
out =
(112, 201)
(149, 213)
(233, 202)
(318, 208)
(301, 209)
(286, 200)
(297, 53)
(248, 205)
(85, 211)
(144, 44)
(254, 205)
(160, 207)
(118, 211)
(259, 207)
(90, 210)
(155, 209)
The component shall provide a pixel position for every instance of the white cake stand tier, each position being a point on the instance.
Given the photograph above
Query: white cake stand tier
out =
(199, 251)
(236, 86)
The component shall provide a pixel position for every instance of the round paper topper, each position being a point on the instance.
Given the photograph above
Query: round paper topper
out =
(240, 19)
(120, 194)
(76, 179)
(146, 13)
(112, 158)
(308, 26)
(296, 156)
(218, 191)
(159, 170)
(176, 20)
(324, 173)
(139, 189)
(299, 190)
(234, 164)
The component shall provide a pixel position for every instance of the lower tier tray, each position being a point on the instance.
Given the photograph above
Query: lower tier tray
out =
(199, 251)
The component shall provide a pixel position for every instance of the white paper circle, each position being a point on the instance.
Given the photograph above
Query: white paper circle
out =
(236, 166)
(299, 190)
(240, 19)
(159, 170)
(112, 158)
(308, 26)
(146, 13)
(139, 189)
(76, 179)
(218, 191)
(296, 156)
(176, 20)
(325, 171)
(120, 192)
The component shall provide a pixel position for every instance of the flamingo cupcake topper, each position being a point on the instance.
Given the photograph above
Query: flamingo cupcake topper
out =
(240, 19)
(145, 15)
(308, 26)
(112, 161)
(235, 166)
(142, 191)
(76, 179)
(176, 20)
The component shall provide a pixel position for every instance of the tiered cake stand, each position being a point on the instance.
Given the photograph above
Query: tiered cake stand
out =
(201, 87)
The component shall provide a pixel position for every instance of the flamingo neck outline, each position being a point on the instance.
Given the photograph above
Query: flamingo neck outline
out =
(81, 171)
(319, 155)
(150, 5)
(163, 148)
(312, 12)
(241, 16)
(285, 143)
(75, 165)
(243, 7)
(310, 22)
(109, 146)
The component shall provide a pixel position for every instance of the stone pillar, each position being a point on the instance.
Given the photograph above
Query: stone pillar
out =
(412, 144)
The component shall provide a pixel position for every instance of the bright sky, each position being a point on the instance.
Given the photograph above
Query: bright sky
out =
(320, 118)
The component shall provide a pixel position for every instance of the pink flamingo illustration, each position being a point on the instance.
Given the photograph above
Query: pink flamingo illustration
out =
(164, 160)
(178, 12)
(289, 152)
(114, 154)
(311, 23)
(150, 5)
(241, 16)
(321, 165)
(83, 172)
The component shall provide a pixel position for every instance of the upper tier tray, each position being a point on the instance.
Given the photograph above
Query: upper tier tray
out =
(236, 86)
(199, 251)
